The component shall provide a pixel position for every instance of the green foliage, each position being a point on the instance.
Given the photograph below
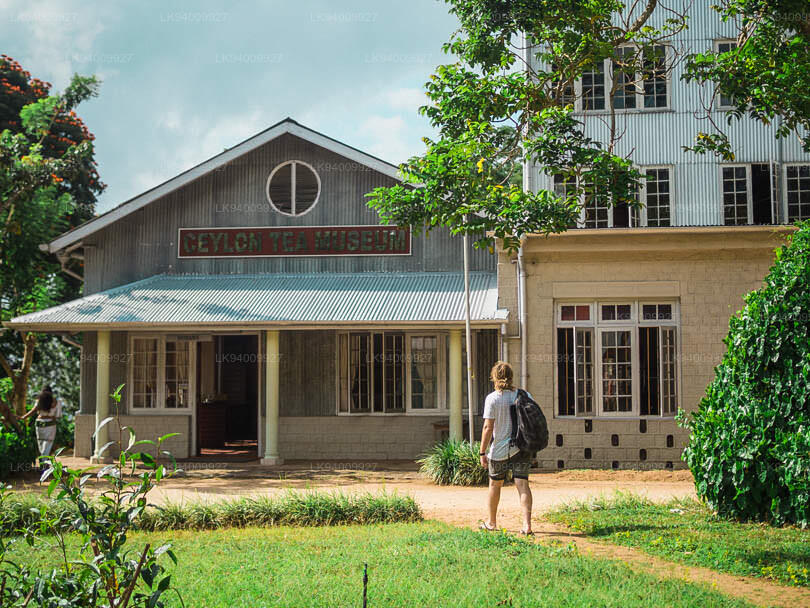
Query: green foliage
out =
(452, 462)
(493, 112)
(767, 76)
(105, 570)
(749, 448)
(687, 531)
(18, 452)
(290, 509)
(48, 184)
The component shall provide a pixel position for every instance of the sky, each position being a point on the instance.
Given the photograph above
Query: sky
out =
(182, 80)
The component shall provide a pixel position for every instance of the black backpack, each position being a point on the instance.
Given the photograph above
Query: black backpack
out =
(529, 427)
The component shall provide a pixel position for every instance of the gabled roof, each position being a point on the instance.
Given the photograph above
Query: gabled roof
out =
(286, 126)
(249, 300)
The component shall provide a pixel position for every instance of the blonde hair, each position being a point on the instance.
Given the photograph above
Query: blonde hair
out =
(502, 376)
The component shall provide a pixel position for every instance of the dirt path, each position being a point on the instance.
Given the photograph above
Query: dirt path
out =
(465, 507)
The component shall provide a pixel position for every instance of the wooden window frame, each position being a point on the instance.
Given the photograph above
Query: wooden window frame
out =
(596, 325)
(441, 374)
(161, 409)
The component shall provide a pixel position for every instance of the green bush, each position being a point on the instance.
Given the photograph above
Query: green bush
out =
(17, 451)
(290, 509)
(452, 462)
(65, 430)
(749, 449)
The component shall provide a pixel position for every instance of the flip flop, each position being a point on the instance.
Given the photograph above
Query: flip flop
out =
(482, 525)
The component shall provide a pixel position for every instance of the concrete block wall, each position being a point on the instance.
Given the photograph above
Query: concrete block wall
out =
(145, 426)
(708, 271)
(361, 438)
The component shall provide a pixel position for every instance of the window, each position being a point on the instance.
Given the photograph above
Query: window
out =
(293, 188)
(624, 79)
(749, 194)
(389, 373)
(656, 196)
(593, 88)
(725, 46)
(638, 80)
(564, 90)
(654, 80)
(595, 209)
(160, 373)
(622, 363)
(797, 179)
(424, 371)
(144, 372)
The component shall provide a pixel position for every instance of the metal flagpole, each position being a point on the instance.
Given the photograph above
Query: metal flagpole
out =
(470, 396)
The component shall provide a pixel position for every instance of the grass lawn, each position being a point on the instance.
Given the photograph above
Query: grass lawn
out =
(416, 564)
(688, 532)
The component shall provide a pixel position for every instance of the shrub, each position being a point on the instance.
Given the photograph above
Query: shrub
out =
(749, 449)
(17, 451)
(65, 431)
(452, 462)
(22, 511)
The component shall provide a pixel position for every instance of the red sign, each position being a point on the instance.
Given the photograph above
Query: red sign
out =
(293, 241)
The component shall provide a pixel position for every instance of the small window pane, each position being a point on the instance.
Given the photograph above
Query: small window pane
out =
(583, 313)
(424, 366)
(568, 313)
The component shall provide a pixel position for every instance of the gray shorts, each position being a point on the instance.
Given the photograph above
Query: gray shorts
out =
(519, 464)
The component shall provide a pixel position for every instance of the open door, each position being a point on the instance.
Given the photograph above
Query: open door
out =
(227, 407)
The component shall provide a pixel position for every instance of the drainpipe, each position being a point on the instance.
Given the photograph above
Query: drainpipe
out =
(524, 375)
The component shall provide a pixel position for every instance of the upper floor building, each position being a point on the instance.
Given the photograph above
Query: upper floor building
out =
(657, 116)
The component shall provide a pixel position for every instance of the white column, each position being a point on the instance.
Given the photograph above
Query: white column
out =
(271, 379)
(102, 394)
(455, 377)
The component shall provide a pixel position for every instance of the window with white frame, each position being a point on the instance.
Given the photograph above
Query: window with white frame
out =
(160, 373)
(656, 193)
(638, 80)
(593, 88)
(390, 372)
(617, 359)
(797, 189)
(655, 77)
(750, 194)
(724, 46)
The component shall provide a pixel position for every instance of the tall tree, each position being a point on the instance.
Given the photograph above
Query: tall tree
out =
(517, 64)
(765, 73)
(48, 183)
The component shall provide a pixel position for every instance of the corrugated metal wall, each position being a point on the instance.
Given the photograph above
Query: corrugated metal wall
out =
(307, 373)
(658, 137)
(145, 242)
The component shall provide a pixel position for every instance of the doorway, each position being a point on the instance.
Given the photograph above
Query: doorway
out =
(227, 404)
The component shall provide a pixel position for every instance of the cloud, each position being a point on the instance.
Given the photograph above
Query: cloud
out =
(389, 138)
(58, 35)
(407, 99)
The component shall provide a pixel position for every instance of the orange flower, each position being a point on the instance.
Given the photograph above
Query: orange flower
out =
(56, 178)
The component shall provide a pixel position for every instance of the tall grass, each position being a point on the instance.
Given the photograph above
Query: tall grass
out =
(453, 462)
(288, 509)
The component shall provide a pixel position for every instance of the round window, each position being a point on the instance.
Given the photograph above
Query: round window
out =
(293, 187)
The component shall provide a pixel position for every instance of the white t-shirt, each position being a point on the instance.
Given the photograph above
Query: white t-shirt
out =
(496, 407)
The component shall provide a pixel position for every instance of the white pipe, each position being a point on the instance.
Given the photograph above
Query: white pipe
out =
(470, 396)
(524, 375)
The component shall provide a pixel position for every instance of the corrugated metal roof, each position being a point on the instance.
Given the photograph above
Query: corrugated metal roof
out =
(277, 298)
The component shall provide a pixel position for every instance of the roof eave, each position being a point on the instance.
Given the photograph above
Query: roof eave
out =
(286, 126)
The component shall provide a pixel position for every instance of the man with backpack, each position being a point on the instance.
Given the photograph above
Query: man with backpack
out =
(514, 430)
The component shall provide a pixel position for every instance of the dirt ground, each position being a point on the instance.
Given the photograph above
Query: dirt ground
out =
(465, 507)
